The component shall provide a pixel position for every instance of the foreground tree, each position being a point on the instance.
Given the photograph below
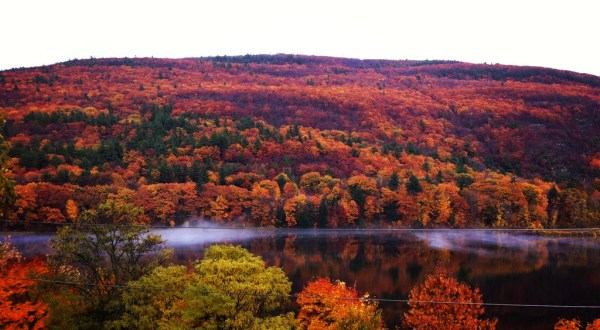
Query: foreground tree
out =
(234, 289)
(332, 305)
(154, 300)
(595, 325)
(229, 289)
(20, 306)
(575, 324)
(107, 248)
(459, 307)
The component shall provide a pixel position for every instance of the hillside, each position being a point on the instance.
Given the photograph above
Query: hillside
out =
(304, 141)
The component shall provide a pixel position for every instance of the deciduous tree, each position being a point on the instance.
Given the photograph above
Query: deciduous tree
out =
(20, 307)
(234, 289)
(325, 304)
(109, 247)
(441, 302)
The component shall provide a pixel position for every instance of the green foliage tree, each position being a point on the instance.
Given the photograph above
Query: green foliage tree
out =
(413, 186)
(281, 180)
(107, 248)
(153, 300)
(234, 289)
(572, 208)
(394, 181)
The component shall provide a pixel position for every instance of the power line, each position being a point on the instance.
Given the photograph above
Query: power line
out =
(593, 229)
(385, 300)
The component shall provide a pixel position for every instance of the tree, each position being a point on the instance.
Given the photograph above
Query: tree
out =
(564, 324)
(360, 187)
(449, 313)
(72, 210)
(108, 247)
(233, 289)
(332, 305)
(20, 308)
(263, 208)
(293, 207)
(7, 185)
(314, 183)
(148, 308)
(441, 207)
(394, 182)
(572, 208)
(575, 324)
(413, 186)
(595, 325)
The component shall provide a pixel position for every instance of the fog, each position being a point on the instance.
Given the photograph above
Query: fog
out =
(197, 234)
(484, 242)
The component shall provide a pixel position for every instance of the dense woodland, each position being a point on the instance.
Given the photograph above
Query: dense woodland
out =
(111, 146)
(299, 141)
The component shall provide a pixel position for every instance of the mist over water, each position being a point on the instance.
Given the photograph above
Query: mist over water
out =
(198, 234)
(184, 237)
(476, 241)
(480, 242)
(29, 244)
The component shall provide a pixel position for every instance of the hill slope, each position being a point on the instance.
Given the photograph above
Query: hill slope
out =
(306, 141)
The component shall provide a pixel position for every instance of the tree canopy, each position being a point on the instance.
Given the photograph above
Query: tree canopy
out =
(459, 307)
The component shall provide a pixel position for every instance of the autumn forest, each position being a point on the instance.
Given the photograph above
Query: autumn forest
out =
(296, 141)
(281, 141)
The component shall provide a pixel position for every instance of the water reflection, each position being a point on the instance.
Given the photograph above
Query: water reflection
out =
(507, 267)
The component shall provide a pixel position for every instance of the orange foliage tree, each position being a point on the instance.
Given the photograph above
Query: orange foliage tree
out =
(332, 305)
(265, 195)
(441, 302)
(575, 324)
(20, 308)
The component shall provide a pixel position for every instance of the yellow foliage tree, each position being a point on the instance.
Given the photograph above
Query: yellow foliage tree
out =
(72, 210)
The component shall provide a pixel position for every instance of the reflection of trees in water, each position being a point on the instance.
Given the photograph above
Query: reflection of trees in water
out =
(399, 258)
(507, 268)
(390, 265)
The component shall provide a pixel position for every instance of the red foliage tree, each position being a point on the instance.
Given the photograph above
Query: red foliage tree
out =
(20, 308)
(441, 302)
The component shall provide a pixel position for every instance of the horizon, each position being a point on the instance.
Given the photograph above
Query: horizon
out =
(535, 33)
(287, 54)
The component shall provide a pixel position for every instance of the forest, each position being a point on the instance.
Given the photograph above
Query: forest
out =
(102, 150)
(302, 141)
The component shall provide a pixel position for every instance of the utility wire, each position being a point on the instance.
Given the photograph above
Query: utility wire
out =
(307, 229)
(390, 300)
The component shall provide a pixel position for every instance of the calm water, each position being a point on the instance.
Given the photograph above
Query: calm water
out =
(507, 267)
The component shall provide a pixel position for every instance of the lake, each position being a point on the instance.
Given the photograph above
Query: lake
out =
(508, 267)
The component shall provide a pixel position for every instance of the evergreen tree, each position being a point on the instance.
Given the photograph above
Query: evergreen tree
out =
(413, 186)
(394, 181)
(281, 181)
(165, 173)
(439, 178)
(323, 213)
(195, 172)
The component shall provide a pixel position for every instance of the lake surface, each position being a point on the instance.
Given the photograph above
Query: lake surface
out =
(508, 267)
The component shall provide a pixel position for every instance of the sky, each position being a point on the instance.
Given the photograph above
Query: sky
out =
(556, 34)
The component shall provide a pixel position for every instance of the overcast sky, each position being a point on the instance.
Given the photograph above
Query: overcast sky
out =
(556, 34)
